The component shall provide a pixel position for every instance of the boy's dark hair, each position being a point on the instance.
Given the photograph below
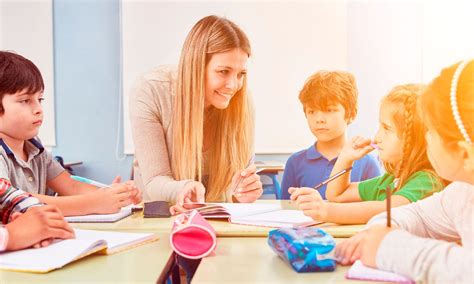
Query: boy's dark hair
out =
(325, 88)
(18, 74)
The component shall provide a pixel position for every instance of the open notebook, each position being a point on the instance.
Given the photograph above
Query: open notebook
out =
(101, 218)
(361, 272)
(62, 252)
(254, 214)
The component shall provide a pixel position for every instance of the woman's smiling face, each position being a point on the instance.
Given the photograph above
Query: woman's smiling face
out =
(225, 74)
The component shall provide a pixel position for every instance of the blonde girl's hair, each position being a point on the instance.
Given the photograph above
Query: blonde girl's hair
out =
(436, 108)
(411, 130)
(232, 128)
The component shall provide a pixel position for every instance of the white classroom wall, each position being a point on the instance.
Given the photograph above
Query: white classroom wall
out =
(384, 51)
(26, 27)
(448, 28)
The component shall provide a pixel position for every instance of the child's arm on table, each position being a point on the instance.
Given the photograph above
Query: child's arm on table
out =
(424, 260)
(415, 218)
(37, 226)
(90, 200)
(312, 204)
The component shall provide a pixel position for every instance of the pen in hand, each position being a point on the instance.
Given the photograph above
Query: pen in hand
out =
(332, 178)
(241, 179)
(327, 181)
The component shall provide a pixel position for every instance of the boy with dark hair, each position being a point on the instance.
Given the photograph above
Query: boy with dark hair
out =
(23, 160)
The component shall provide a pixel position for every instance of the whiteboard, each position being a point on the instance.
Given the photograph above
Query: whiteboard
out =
(26, 27)
(290, 41)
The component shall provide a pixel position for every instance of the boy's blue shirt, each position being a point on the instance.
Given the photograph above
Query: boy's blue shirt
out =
(308, 168)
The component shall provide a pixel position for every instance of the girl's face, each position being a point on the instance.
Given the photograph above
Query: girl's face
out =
(448, 163)
(389, 143)
(225, 74)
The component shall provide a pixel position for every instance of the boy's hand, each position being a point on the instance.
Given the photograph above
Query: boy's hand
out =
(192, 191)
(117, 179)
(349, 250)
(111, 199)
(38, 226)
(356, 148)
(136, 195)
(247, 185)
(310, 201)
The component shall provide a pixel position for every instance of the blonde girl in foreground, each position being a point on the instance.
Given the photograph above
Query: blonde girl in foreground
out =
(432, 240)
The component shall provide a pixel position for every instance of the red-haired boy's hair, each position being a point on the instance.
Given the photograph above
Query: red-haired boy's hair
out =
(326, 88)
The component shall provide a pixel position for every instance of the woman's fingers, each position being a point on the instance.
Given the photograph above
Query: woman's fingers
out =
(249, 170)
(176, 209)
(250, 186)
(195, 193)
(249, 180)
(249, 196)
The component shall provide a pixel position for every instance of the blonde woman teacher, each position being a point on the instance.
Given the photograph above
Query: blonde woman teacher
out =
(193, 127)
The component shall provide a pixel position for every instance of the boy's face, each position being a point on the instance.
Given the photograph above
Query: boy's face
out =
(390, 145)
(22, 115)
(329, 124)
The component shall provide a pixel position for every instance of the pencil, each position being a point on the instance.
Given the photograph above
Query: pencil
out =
(333, 177)
(389, 196)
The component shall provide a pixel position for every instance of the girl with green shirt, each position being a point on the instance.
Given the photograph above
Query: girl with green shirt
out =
(402, 149)
(418, 186)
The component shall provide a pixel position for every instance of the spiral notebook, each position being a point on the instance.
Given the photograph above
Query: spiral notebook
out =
(361, 272)
(62, 252)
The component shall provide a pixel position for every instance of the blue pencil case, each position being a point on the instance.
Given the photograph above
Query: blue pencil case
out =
(305, 249)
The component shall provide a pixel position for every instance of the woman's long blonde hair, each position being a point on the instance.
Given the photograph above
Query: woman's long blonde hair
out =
(232, 129)
(411, 130)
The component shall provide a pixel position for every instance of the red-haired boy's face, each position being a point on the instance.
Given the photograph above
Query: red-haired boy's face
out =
(327, 124)
(22, 115)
